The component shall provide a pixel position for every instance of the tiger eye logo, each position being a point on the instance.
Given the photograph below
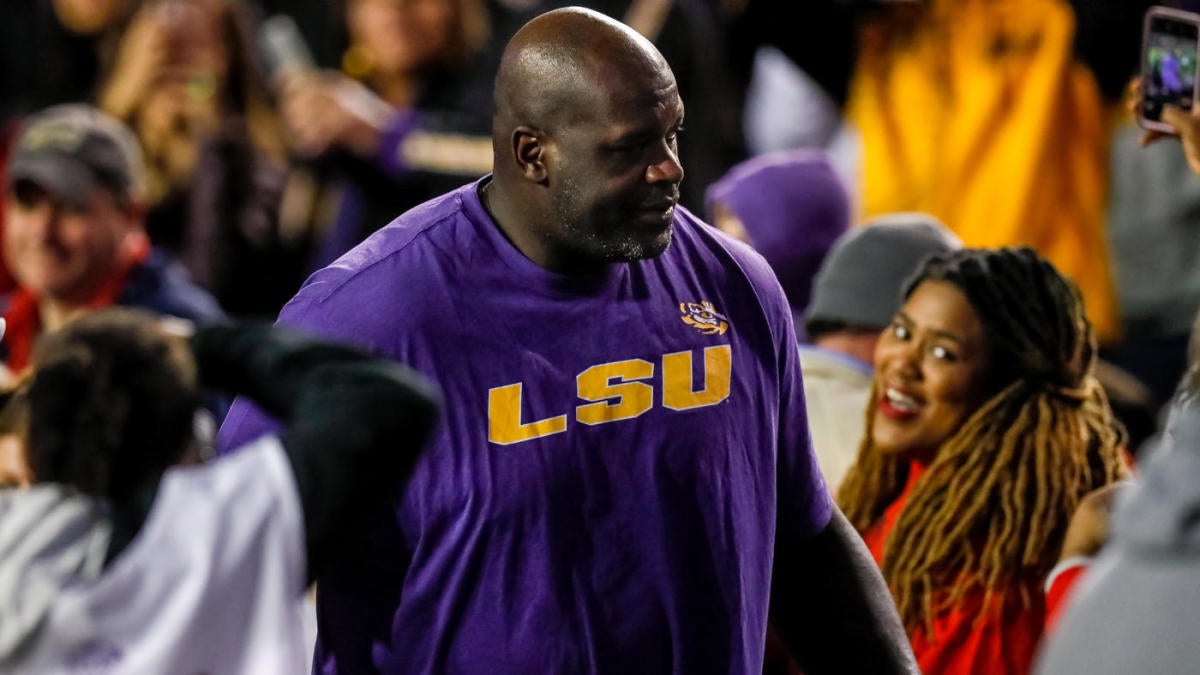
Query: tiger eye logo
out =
(704, 317)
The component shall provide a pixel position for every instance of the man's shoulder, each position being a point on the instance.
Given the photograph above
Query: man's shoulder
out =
(391, 282)
(701, 243)
(418, 240)
(707, 251)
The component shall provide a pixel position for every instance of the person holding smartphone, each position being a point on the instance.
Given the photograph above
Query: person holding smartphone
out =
(1162, 97)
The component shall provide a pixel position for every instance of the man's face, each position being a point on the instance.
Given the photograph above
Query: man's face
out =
(63, 251)
(615, 178)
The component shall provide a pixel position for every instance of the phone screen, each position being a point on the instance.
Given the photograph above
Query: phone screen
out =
(1170, 75)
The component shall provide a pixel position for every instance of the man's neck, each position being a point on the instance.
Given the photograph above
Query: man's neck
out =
(520, 227)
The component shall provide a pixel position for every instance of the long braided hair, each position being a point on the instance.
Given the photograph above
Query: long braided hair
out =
(990, 511)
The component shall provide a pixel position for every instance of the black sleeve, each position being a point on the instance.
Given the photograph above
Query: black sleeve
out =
(354, 424)
(831, 606)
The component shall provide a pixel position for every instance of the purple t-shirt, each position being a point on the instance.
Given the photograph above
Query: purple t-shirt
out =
(616, 457)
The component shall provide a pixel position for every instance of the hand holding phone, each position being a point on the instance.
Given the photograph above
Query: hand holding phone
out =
(1170, 47)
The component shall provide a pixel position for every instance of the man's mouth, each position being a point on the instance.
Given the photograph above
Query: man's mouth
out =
(660, 211)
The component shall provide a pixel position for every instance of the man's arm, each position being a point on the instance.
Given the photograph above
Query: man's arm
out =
(832, 607)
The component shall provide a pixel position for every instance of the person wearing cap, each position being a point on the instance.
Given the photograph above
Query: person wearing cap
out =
(74, 235)
(855, 295)
(790, 206)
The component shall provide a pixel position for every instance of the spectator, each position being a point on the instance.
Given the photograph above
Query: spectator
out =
(790, 207)
(856, 295)
(1136, 610)
(403, 122)
(51, 51)
(985, 429)
(54, 51)
(1018, 104)
(634, 532)
(186, 81)
(74, 235)
(115, 560)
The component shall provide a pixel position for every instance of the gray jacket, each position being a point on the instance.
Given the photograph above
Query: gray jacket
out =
(50, 537)
(1138, 608)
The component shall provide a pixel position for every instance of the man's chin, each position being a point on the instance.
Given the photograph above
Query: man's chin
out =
(643, 249)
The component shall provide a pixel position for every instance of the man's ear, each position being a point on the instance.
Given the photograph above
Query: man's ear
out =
(530, 152)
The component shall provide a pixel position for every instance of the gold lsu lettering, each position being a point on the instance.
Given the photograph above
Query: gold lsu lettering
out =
(615, 391)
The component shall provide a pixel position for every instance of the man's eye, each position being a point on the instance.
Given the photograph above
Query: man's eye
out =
(900, 332)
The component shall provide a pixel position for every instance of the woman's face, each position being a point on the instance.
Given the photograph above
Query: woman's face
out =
(402, 36)
(195, 40)
(931, 366)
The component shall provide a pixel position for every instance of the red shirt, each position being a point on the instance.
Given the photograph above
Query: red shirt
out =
(1061, 588)
(25, 322)
(969, 639)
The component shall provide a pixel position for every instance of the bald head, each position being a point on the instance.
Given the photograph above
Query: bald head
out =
(586, 162)
(561, 63)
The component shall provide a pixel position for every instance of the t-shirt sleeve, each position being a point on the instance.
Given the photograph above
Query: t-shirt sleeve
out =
(1060, 585)
(803, 501)
(805, 505)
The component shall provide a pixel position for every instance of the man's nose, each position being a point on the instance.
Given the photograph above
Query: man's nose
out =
(667, 169)
(47, 219)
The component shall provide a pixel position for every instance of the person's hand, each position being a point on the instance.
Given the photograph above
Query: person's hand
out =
(1185, 123)
(140, 60)
(329, 110)
(1088, 531)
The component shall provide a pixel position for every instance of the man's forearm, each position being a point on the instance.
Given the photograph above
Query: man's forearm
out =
(832, 607)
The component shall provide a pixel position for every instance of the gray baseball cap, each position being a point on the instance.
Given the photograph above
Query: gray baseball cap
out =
(69, 150)
(861, 280)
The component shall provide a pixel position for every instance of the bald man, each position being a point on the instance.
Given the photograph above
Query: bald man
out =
(624, 451)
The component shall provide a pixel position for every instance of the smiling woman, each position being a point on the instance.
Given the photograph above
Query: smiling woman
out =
(985, 429)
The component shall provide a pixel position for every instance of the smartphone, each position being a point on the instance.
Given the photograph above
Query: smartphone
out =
(1170, 46)
(283, 47)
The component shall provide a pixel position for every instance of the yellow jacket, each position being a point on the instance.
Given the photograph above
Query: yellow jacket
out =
(976, 112)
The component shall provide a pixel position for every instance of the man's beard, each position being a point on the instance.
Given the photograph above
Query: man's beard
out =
(604, 242)
(615, 249)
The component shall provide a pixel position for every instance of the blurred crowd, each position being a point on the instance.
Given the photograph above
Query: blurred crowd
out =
(957, 202)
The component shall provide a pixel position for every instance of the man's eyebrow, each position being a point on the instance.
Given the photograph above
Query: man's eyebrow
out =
(633, 133)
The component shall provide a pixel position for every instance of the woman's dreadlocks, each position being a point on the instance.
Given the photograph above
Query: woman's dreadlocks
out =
(991, 510)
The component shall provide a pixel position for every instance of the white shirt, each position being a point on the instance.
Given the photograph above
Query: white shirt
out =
(837, 389)
(213, 583)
